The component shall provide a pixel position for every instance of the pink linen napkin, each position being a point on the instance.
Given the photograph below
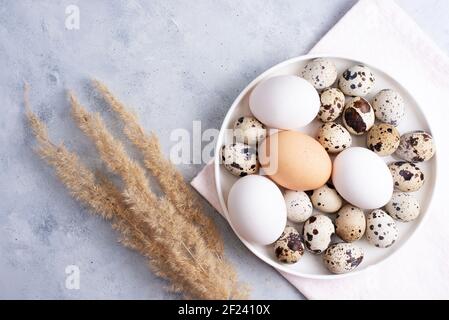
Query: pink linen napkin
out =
(383, 35)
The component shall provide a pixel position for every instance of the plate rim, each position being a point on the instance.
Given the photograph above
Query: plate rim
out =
(216, 163)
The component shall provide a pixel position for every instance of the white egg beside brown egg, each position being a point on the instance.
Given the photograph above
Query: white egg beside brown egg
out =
(362, 178)
(284, 102)
(256, 209)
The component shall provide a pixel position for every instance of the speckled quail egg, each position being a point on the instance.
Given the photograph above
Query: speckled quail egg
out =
(383, 139)
(249, 130)
(403, 207)
(332, 104)
(289, 248)
(320, 72)
(317, 232)
(342, 257)
(381, 230)
(326, 199)
(407, 176)
(358, 116)
(350, 223)
(416, 146)
(357, 80)
(388, 106)
(299, 207)
(334, 137)
(240, 159)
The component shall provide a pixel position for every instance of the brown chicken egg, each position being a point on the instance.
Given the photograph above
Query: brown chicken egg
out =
(295, 160)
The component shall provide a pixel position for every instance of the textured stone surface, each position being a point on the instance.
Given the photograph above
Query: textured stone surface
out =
(173, 62)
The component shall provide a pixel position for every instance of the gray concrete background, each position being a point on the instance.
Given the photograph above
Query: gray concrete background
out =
(173, 62)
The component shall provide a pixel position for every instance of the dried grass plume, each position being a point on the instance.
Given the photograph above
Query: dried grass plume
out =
(181, 243)
(171, 181)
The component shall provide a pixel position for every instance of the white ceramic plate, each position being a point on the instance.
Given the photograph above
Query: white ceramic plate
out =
(310, 265)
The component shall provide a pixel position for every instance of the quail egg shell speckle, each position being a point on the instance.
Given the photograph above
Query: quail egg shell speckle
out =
(388, 106)
(320, 72)
(332, 104)
(381, 230)
(407, 176)
(383, 139)
(326, 199)
(317, 233)
(249, 130)
(240, 159)
(403, 207)
(289, 248)
(334, 137)
(357, 80)
(350, 223)
(358, 116)
(342, 257)
(416, 146)
(299, 207)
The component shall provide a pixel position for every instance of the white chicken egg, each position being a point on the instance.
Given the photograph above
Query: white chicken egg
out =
(362, 178)
(257, 209)
(284, 102)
